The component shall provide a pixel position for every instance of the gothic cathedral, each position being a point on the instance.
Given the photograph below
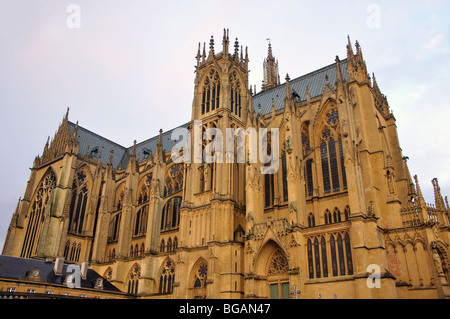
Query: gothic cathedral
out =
(340, 216)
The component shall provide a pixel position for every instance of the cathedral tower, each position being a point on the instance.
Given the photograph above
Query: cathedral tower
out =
(271, 76)
(212, 213)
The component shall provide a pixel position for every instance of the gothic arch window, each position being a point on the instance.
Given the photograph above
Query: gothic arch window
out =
(36, 215)
(66, 250)
(167, 276)
(269, 187)
(174, 180)
(340, 253)
(348, 251)
(331, 153)
(119, 201)
(78, 203)
(170, 218)
(200, 276)
(311, 220)
(235, 94)
(114, 227)
(347, 213)
(211, 92)
(141, 217)
(323, 248)
(310, 259)
(333, 255)
(175, 243)
(284, 177)
(309, 178)
(162, 246)
(317, 257)
(133, 279)
(336, 215)
(306, 145)
(169, 244)
(327, 217)
(75, 252)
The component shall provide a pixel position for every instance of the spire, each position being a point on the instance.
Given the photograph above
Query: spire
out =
(338, 70)
(204, 52)
(418, 190)
(273, 108)
(211, 48)
(349, 49)
(225, 42)
(236, 49)
(439, 201)
(198, 56)
(308, 96)
(288, 87)
(246, 57)
(270, 68)
(111, 155)
(159, 153)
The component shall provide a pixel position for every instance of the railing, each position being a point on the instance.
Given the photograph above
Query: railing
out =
(279, 226)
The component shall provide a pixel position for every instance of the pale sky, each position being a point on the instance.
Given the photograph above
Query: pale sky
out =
(128, 70)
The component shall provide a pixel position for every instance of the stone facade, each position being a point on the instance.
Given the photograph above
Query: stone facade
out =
(340, 218)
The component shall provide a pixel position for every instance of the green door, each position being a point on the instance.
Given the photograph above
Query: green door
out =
(274, 291)
(285, 290)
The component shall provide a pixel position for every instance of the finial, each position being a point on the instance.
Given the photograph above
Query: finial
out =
(236, 46)
(211, 45)
(287, 77)
(110, 161)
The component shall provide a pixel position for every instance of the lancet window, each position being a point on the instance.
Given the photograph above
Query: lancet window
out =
(170, 218)
(167, 277)
(235, 94)
(174, 180)
(321, 248)
(36, 215)
(141, 218)
(331, 153)
(78, 204)
(211, 92)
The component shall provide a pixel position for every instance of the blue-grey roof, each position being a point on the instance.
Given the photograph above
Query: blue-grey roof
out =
(90, 141)
(315, 81)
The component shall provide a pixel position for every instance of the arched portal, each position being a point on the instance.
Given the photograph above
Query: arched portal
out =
(277, 275)
(272, 263)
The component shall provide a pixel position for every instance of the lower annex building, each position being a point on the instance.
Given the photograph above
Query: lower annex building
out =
(341, 205)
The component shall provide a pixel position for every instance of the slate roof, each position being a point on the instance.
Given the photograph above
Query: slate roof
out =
(121, 156)
(18, 268)
(315, 81)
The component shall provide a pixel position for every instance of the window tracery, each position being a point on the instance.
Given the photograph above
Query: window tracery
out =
(133, 279)
(340, 253)
(170, 218)
(174, 180)
(167, 277)
(201, 275)
(278, 264)
(78, 204)
(211, 92)
(235, 94)
(331, 153)
(36, 215)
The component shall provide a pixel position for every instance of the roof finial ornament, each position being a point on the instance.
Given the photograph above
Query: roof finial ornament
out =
(211, 46)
